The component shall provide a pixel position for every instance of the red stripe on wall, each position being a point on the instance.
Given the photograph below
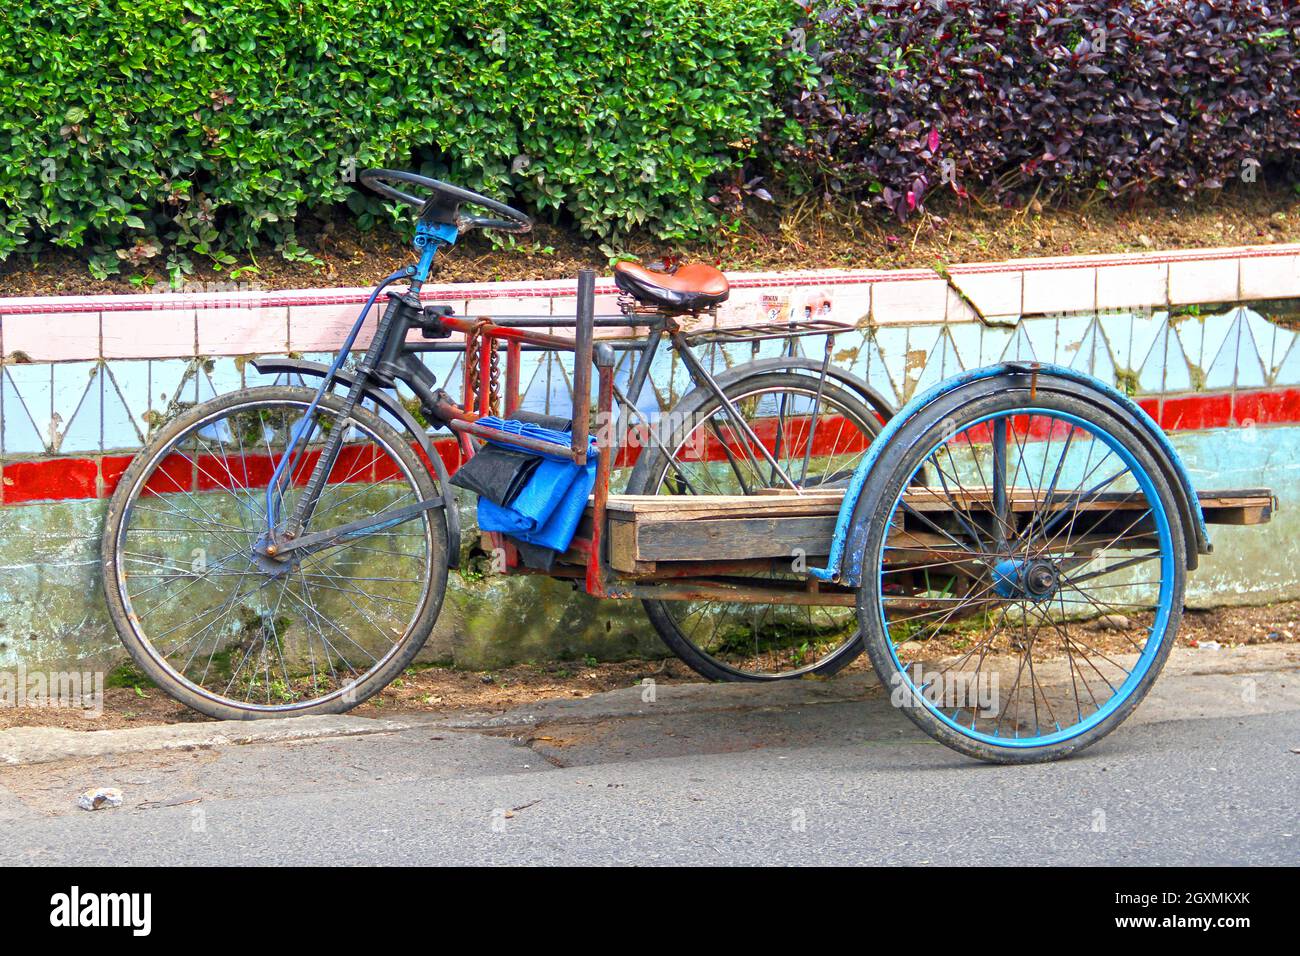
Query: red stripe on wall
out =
(56, 479)
(61, 479)
(1264, 408)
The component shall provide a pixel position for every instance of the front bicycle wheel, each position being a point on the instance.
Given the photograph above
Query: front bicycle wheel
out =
(816, 434)
(1020, 604)
(233, 634)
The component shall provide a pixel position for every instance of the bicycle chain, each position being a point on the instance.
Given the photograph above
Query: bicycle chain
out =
(471, 365)
(475, 343)
(494, 379)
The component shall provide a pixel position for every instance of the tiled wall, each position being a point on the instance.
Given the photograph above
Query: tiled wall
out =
(1193, 334)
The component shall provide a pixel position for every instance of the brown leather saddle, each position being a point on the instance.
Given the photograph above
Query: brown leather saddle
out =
(691, 288)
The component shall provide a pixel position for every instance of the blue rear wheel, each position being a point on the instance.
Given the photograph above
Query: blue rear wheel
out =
(1019, 602)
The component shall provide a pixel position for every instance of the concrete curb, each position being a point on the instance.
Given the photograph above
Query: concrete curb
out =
(1251, 659)
(34, 745)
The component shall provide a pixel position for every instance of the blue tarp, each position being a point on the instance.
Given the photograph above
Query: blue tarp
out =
(547, 510)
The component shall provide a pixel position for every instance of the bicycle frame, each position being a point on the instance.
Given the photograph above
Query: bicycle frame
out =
(390, 358)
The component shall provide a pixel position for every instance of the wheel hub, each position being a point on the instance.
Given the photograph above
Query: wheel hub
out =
(1036, 579)
(264, 557)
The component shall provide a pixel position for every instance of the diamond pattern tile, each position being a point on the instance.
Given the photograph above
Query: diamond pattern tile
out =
(131, 379)
(1042, 335)
(1093, 355)
(1288, 369)
(166, 379)
(84, 407)
(1165, 366)
(1019, 348)
(31, 387)
(1236, 362)
(20, 434)
(1070, 333)
(550, 392)
(81, 433)
(1118, 327)
(943, 362)
(70, 382)
(891, 344)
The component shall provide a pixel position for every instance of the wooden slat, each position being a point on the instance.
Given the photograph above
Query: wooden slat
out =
(1245, 506)
(691, 507)
(723, 539)
(621, 548)
(716, 539)
(683, 507)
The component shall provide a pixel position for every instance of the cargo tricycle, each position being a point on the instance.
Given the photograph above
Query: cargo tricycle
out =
(1010, 548)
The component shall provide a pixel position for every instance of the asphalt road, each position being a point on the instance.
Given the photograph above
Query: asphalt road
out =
(1203, 774)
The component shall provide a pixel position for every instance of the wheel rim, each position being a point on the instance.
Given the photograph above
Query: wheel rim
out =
(1023, 658)
(768, 641)
(224, 626)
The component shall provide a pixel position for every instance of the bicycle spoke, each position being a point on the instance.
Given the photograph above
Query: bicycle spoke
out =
(814, 439)
(244, 630)
(1027, 641)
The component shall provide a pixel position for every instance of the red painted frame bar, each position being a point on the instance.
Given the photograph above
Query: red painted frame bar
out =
(484, 333)
(595, 582)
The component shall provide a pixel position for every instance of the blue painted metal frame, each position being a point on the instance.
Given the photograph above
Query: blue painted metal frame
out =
(429, 238)
(386, 400)
(832, 571)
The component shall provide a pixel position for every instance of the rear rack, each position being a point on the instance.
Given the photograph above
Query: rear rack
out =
(770, 330)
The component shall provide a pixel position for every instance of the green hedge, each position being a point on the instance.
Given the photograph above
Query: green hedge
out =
(134, 126)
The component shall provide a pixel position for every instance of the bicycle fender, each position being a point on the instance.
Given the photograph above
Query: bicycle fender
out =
(390, 404)
(848, 542)
(799, 363)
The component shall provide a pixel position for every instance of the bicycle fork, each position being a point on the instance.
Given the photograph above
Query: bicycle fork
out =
(278, 541)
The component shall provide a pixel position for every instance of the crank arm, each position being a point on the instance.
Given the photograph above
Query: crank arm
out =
(320, 540)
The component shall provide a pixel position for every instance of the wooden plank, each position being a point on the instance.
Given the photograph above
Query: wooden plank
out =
(1242, 515)
(642, 532)
(691, 507)
(722, 539)
(687, 507)
(1245, 506)
(780, 536)
(622, 548)
(717, 540)
(1025, 499)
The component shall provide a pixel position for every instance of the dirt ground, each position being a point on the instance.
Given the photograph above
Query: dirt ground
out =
(420, 689)
(795, 235)
(441, 689)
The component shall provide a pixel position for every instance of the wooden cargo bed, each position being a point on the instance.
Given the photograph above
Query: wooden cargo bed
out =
(648, 531)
